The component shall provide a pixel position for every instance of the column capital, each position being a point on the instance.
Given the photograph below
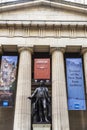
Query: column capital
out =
(62, 49)
(84, 50)
(23, 48)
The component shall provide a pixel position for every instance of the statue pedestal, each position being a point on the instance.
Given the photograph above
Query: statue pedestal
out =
(41, 126)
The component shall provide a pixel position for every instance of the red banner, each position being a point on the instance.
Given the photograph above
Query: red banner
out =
(42, 68)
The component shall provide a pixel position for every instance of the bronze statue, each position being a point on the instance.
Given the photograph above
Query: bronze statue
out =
(41, 104)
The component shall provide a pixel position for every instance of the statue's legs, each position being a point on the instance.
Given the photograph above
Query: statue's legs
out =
(40, 110)
(34, 111)
(45, 110)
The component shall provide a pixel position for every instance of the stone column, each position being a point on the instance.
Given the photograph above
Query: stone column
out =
(60, 119)
(84, 51)
(22, 117)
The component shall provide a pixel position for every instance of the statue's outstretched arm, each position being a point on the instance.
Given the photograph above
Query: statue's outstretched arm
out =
(33, 94)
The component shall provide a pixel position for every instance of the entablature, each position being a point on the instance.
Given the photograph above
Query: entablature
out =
(58, 29)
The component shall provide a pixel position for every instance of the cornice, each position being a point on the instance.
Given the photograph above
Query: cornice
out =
(55, 4)
(41, 23)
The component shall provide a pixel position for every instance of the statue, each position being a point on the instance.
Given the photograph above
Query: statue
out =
(41, 104)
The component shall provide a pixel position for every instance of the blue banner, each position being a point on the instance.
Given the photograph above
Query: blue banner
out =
(75, 84)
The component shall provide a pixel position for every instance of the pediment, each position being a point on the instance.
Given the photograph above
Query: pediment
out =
(43, 10)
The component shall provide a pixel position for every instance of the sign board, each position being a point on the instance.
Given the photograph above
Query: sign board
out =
(75, 84)
(42, 68)
(8, 80)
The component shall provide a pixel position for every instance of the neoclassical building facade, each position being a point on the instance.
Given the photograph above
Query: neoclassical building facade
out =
(51, 29)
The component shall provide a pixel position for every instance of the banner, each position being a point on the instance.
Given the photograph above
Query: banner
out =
(42, 68)
(8, 80)
(75, 84)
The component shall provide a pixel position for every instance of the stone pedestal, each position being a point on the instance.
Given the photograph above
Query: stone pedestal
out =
(41, 126)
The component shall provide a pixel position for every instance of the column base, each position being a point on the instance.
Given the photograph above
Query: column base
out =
(41, 126)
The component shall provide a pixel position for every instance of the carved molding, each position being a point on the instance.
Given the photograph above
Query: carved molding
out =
(11, 31)
(73, 31)
(43, 29)
(61, 31)
(40, 23)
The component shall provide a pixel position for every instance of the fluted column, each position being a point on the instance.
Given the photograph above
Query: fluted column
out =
(84, 51)
(60, 119)
(22, 117)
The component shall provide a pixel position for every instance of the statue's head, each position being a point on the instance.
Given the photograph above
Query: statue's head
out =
(41, 83)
